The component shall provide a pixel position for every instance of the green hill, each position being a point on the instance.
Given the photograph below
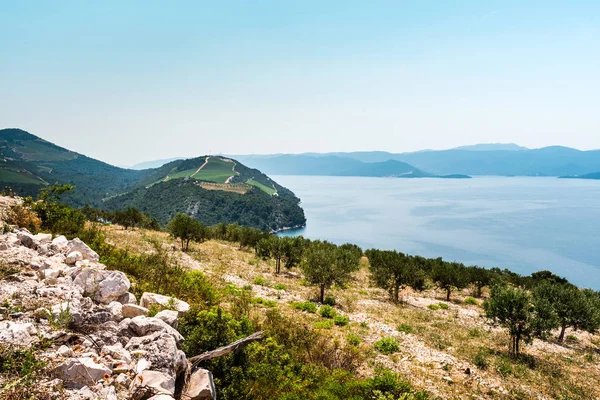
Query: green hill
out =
(237, 193)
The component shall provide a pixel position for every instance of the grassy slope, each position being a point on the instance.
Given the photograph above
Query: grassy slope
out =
(266, 189)
(14, 175)
(441, 344)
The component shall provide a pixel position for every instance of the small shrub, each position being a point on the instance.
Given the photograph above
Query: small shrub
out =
(247, 287)
(341, 320)
(329, 300)
(405, 328)
(433, 307)
(589, 357)
(480, 360)
(387, 345)
(572, 338)
(475, 333)
(443, 306)
(259, 280)
(439, 342)
(153, 310)
(306, 306)
(264, 302)
(353, 339)
(22, 216)
(279, 286)
(472, 301)
(324, 324)
(503, 367)
(304, 282)
(364, 325)
(327, 311)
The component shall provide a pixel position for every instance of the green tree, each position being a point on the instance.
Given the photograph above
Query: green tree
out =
(326, 264)
(56, 217)
(449, 276)
(186, 229)
(130, 217)
(394, 271)
(573, 307)
(514, 309)
(480, 277)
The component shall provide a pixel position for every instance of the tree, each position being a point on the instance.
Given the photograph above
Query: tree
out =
(449, 276)
(186, 229)
(56, 217)
(480, 277)
(326, 264)
(130, 217)
(573, 308)
(514, 309)
(394, 271)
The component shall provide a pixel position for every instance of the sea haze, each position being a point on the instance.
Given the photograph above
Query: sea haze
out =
(523, 224)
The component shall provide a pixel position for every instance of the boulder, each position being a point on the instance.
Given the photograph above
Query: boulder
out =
(80, 372)
(26, 239)
(160, 351)
(42, 238)
(102, 286)
(73, 257)
(169, 316)
(116, 309)
(17, 334)
(148, 299)
(117, 352)
(133, 310)
(87, 253)
(200, 386)
(127, 298)
(59, 244)
(162, 397)
(64, 351)
(123, 380)
(152, 383)
(143, 326)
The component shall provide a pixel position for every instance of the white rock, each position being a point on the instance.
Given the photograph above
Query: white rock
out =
(141, 366)
(123, 380)
(133, 310)
(159, 349)
(152, 383)
(79, 372)
(84, 249)
(43, 238)
(127, 298)
(18, 334)
(200, 386)
(73, 257)
(108, 393)
(116, 309)
(169, 316)
(48, 273)
(59, 244)
(148, 299)
(117, 352)
(143, 326)
(26, 239)
(102, 286)
(64, 351)
(83, 263)
(162, 397)
(181, 362)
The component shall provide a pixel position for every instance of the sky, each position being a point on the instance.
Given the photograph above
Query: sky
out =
(130, 81)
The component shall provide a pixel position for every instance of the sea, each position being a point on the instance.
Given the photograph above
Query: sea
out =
(525, 224)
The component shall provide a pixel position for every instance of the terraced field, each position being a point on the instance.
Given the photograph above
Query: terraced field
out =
(266, 189)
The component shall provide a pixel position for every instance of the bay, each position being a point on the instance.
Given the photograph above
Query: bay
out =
(525, 224)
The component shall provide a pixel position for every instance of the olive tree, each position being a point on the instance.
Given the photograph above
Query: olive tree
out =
(326, 264)
(394, 271)
(449, 276)
(186, 229)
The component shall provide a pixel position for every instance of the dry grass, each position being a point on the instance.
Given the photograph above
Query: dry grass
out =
(453, 353)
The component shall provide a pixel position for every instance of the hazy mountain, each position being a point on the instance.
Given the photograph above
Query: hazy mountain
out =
(492, 147)
(154, 163)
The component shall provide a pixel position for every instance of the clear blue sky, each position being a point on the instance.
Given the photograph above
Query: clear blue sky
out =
(127, 81)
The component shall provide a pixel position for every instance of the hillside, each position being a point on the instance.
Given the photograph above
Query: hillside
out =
(594, 175)
(472, 160)
(214, 189)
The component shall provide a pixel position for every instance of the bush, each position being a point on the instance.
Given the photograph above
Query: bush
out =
(327, 311)
(443, 306)
(259, 280)
(306, 306)
(23, 217)
(341, 320)
(329, 300)
(387, 345)
(325, 324)
(279, 286)
(572, 338)
(264, 302)
(353, 339)
(433, 307)
(475, 333)
(405, 328)
(480, 359)
(472, 301)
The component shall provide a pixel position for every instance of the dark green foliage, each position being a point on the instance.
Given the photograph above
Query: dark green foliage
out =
(187, 229)
(307, 306)
(387, 345)
(449, 276)
(130, 217)
(480, 277)
(56, 217)
(327, 311)
(341, 320)
(326, 264)
(394, 271)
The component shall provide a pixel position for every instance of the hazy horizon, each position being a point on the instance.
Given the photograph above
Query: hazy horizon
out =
(128, 82)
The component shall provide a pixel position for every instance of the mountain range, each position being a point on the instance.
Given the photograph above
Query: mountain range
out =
(213, 189)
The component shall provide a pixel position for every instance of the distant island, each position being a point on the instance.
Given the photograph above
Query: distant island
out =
(593, 175)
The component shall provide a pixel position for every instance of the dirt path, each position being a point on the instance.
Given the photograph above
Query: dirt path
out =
(202, 166)
(234, 171)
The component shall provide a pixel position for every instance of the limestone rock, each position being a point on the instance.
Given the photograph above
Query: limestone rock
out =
(26, 239)
(127, 298)
(143, 326)
(133, 310)
(169, 316)
(78, 245)
(79, 372)
(200, 386)
(73, 257)
(59, 244)
(117, 352)
(148, 299)
(17, 334)
(116, 309)
(152, 383)
(102, 286)
(159, 349)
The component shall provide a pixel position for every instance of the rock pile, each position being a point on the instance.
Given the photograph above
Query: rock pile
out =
(105, 346)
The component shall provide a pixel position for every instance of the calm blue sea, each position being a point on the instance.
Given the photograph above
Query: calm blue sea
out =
(524, 224)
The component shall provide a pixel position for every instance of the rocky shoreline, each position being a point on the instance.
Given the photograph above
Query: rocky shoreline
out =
(103, 344)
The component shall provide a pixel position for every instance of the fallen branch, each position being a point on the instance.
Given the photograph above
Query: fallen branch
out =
(221, 351)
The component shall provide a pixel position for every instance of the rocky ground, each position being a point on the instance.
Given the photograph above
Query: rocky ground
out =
(80, 319)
